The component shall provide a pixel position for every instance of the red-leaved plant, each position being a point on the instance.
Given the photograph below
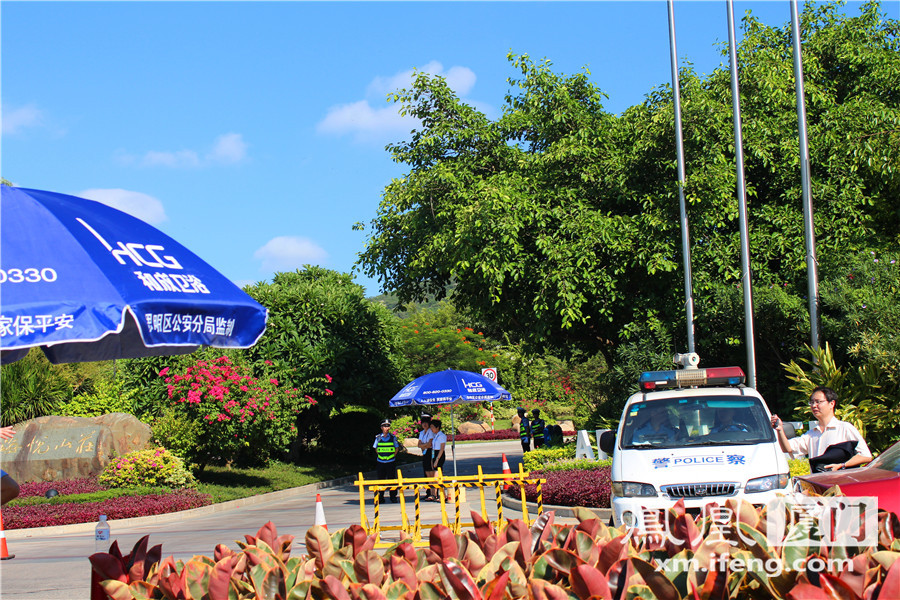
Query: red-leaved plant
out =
(546, 561)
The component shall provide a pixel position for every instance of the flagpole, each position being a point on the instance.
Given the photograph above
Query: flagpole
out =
(742, 202)
(679, 151)
(812, 263)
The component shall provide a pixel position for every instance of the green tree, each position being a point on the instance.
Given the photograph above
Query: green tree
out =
(320, 323)
(558, 221)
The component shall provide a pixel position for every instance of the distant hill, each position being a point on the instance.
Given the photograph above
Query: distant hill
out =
(390, 301)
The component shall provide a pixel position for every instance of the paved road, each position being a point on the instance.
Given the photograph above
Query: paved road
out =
(51, 563)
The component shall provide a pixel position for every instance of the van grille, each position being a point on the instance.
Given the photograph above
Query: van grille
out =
(699, 490)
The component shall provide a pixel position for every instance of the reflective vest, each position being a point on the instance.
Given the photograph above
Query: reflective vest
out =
(524, 429)
(386, 450)
(537, 427)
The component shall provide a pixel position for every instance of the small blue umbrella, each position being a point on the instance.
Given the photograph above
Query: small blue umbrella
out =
(449, 387)
(86, 282)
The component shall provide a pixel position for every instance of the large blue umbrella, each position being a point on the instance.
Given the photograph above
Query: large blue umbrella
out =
(87, 282)
(449, 387)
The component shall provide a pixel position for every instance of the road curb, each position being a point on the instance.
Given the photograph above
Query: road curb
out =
(604, 514)
(81, 528)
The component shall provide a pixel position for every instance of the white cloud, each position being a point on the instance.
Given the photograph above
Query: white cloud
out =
(144, 207)
(287, 253)
(363, 120)
(460, 79)
(227, 149)
(16, 119)
(181, 158)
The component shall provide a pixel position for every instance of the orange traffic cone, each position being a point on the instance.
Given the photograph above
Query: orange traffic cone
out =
(4, 552)
(320, 512)
(506, 471)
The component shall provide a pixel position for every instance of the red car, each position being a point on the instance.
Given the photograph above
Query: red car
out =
(880, 478)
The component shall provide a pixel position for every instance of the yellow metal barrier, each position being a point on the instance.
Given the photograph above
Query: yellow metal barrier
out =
(454, 487)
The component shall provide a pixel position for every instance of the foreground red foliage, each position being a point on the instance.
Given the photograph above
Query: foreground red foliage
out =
(123, 507)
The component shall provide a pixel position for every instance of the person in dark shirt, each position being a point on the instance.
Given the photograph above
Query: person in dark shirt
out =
(537, 428)
(524, 430)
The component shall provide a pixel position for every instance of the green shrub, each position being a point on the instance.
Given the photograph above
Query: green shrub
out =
(106, 397)
(142, 468)
(576, 464)
(539, 459)
(799, 466)
(178, 433)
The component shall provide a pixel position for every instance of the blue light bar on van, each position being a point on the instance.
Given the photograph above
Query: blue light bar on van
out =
(682, 378)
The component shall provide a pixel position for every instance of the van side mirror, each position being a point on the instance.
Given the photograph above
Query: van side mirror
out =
(608, 441)
(789, 430)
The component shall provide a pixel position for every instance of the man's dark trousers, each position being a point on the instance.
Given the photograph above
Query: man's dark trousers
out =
(387, 470)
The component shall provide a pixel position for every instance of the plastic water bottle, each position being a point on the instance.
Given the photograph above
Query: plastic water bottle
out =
(101, 535)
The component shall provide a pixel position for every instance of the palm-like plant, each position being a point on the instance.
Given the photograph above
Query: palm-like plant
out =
(32, 387)
(867, 398)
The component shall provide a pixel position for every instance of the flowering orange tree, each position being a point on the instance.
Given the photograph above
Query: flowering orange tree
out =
(430, 348)
(234, 411)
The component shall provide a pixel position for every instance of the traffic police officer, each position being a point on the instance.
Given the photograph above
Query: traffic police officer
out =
(386, 445)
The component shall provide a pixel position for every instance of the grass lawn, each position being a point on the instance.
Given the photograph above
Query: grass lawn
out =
(224, 484)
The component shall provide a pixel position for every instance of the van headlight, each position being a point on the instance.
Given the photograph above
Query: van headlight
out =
(766, 484)
(632, 489)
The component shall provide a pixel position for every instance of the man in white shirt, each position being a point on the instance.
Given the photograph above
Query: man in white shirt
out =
(425, 437)
(438, 451)
(829, 431)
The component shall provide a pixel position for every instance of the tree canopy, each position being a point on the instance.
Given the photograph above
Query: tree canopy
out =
(558, 221)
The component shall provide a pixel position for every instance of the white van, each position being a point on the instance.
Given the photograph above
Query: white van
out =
(697, 435)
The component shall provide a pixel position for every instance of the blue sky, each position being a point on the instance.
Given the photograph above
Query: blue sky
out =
(254, 132)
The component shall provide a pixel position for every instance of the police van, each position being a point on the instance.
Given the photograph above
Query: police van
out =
(697, 435)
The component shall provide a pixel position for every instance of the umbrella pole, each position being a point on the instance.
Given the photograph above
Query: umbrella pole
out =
(453, 444)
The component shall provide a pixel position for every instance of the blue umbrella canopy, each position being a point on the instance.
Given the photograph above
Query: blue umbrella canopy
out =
(449, 387)
(87, 282)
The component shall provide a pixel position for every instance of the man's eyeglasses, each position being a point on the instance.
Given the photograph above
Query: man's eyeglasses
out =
(814, 402)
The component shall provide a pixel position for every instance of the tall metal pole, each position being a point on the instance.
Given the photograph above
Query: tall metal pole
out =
(679, 150)
(812, 264)
(742, 203)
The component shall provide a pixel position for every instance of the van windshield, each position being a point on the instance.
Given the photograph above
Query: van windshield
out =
(699, 421)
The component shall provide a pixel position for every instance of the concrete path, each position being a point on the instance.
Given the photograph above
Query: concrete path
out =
(51, 563)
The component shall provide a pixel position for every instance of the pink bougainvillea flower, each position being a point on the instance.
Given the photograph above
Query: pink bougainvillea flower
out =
(163, 372)
(328, 392)
(327, 377)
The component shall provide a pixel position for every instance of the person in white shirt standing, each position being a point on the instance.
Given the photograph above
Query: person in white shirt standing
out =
(438, 449)
(830, 431)
(425, 436)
